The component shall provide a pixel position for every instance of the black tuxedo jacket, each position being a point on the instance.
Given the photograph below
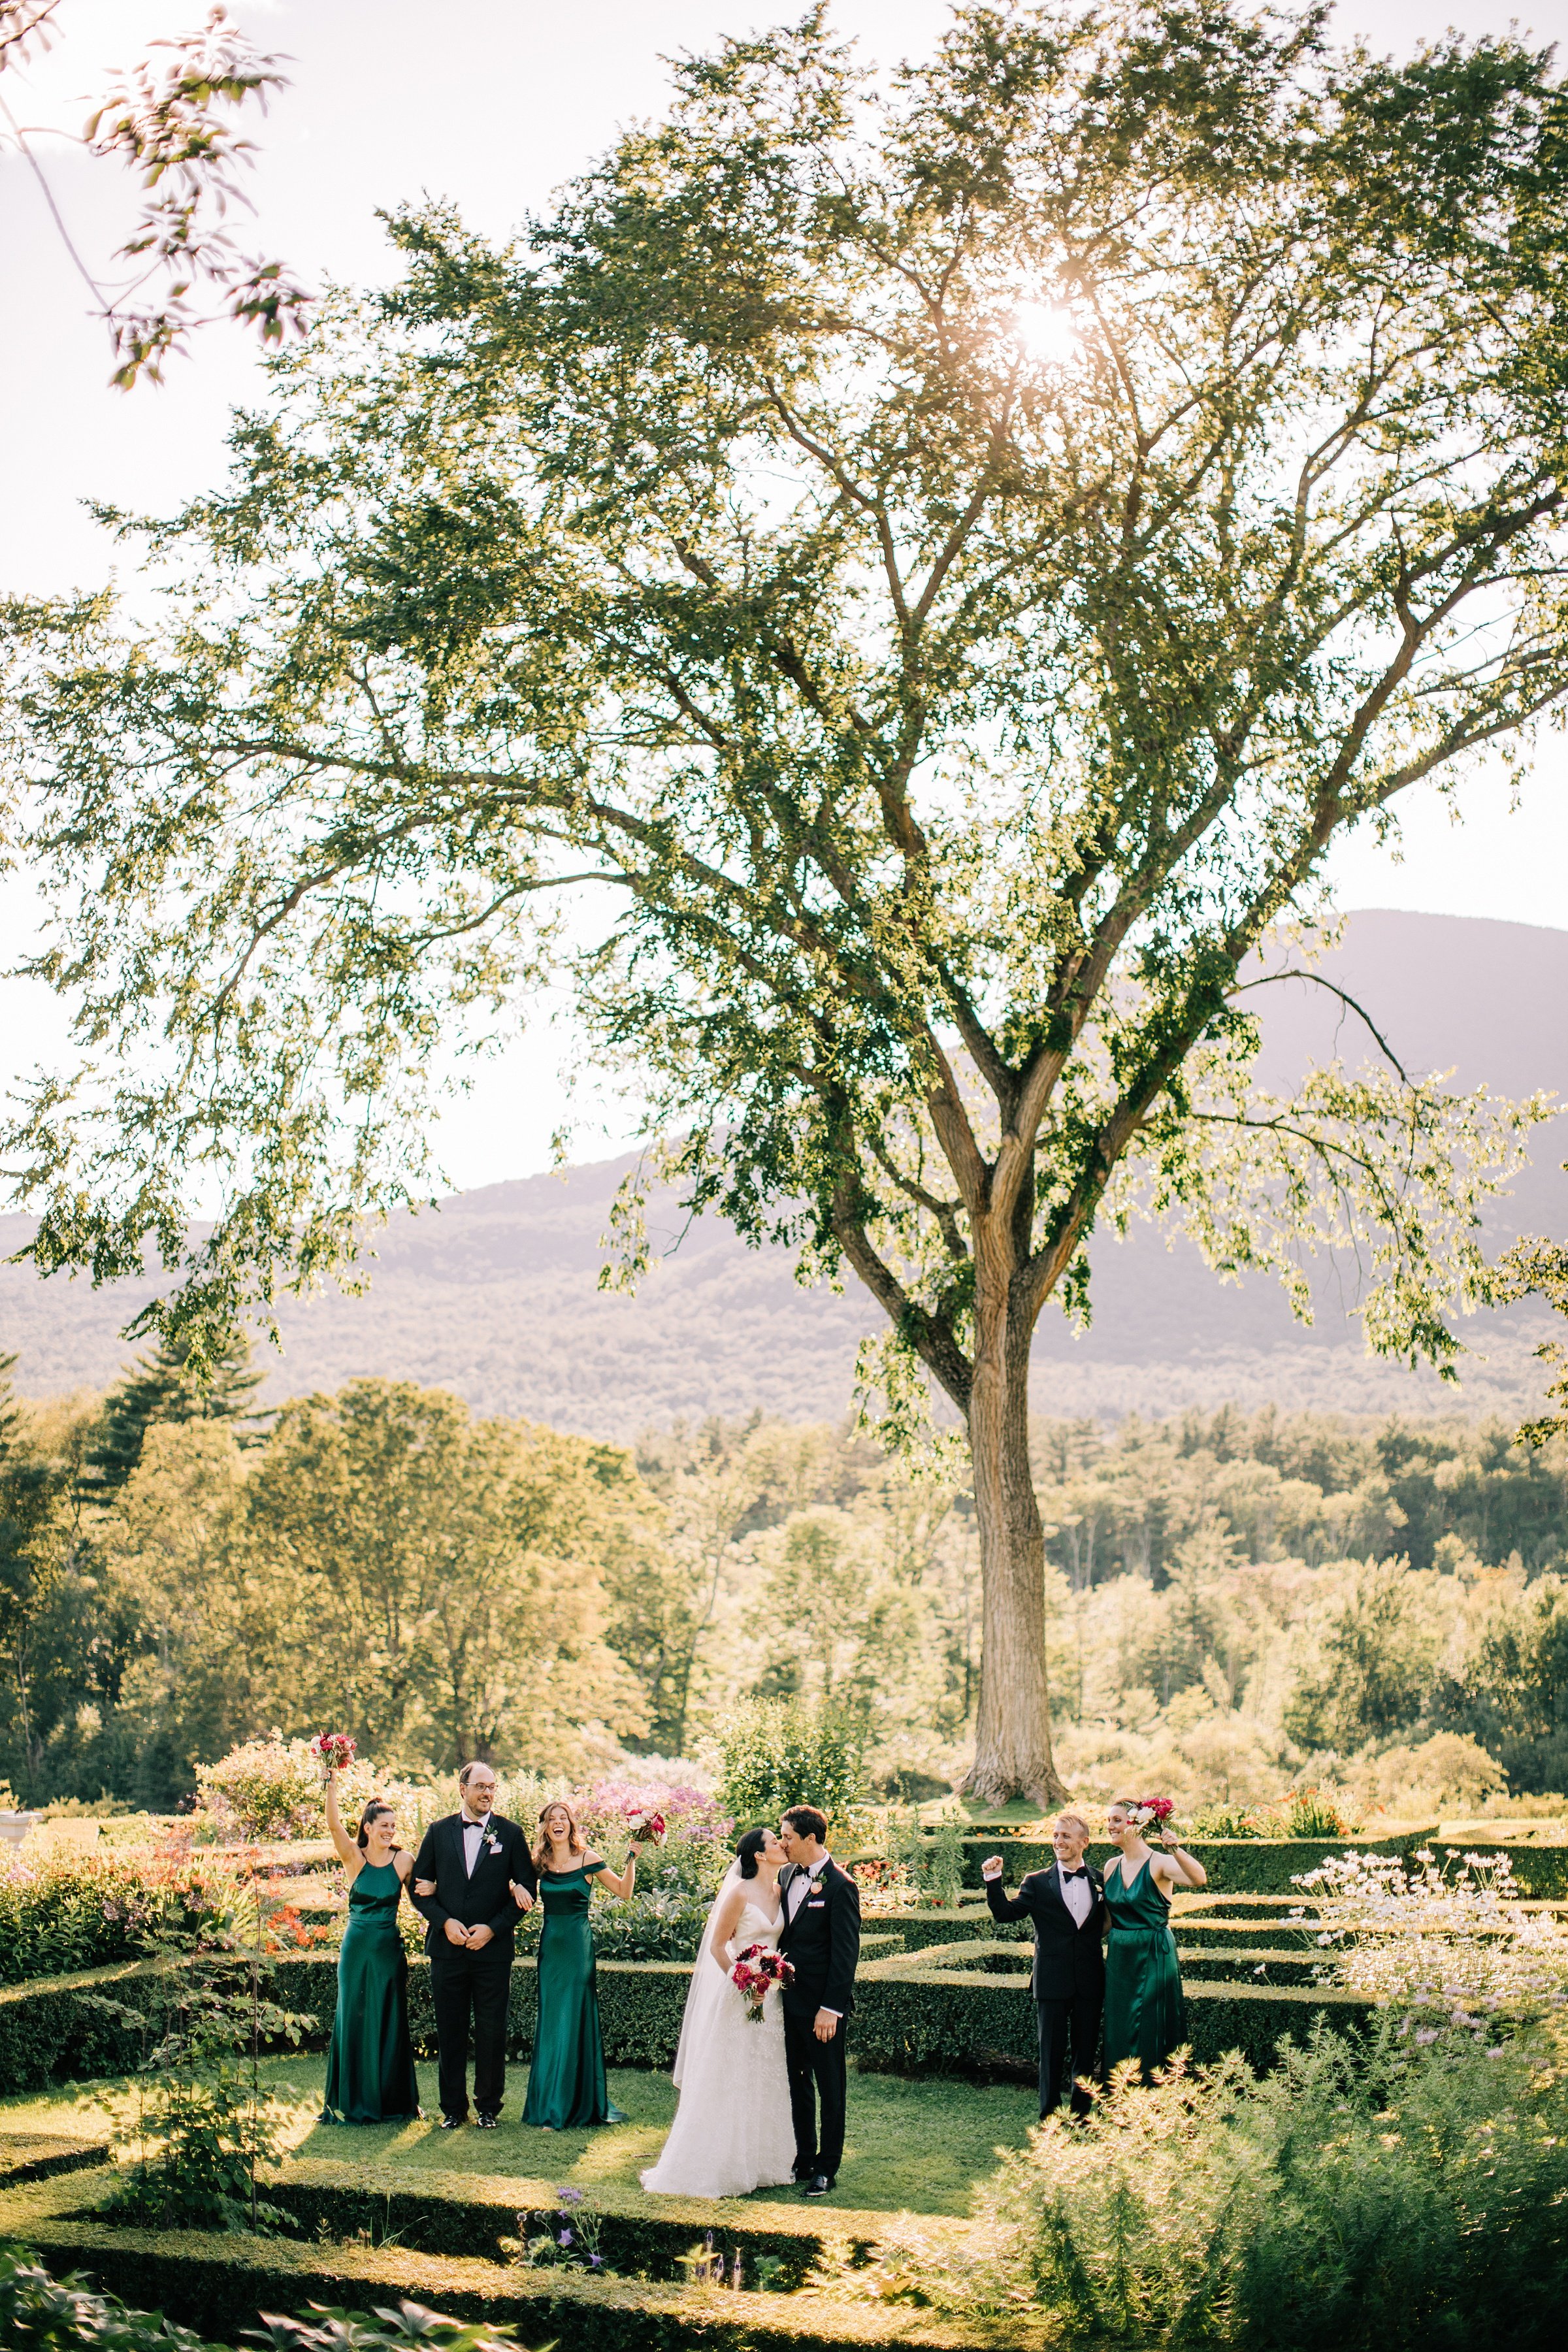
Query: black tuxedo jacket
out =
(484, 1900)
(1070, 1960)
(822, 1943)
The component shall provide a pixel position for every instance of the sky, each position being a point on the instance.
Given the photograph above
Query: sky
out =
(490, 104)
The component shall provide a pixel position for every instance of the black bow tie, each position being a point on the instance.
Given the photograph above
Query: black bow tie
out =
(1071, 1874)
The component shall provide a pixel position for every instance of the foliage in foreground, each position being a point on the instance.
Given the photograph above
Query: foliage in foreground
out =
(1355, 2195)
(51, 2315)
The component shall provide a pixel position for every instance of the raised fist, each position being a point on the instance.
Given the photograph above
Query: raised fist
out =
(991, 1867)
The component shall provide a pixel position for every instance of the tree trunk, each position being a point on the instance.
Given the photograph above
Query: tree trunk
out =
(1013, 1738)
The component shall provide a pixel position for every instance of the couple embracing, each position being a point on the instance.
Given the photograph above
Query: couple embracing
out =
(751, 2089)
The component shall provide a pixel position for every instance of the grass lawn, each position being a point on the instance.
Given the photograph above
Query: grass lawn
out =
(914, 2147)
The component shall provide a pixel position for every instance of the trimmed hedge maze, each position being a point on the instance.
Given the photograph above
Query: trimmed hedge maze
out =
(959, 2007)
(941, 1992)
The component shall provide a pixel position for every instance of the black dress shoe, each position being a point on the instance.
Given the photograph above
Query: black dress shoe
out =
(453, 2123)
(819, 2185)
(488, 2123)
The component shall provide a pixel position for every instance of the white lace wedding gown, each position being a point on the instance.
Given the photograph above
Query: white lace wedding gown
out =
(731, 2131)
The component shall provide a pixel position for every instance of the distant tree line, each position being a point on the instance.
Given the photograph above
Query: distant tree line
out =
(1232, 1600)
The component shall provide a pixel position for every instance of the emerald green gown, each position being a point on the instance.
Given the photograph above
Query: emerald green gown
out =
(1145, 2015)
(369, 2074)
(566, 2086)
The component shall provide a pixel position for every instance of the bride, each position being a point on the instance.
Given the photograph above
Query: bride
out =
(733, 2131)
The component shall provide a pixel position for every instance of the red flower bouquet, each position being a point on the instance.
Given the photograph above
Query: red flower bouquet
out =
(334, 1751)
(758, 1969)
(644, 1826)
(1152, 1814)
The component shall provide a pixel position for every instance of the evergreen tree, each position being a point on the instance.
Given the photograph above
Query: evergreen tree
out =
(160, 1387)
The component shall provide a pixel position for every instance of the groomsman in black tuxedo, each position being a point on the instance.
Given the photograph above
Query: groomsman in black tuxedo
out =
(821, 1940)
(462, 1884)
(1066, 1905)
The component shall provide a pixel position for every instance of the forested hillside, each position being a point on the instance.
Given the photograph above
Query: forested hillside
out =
(1237, 1603)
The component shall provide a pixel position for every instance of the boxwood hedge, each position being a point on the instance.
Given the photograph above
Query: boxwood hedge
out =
(910, 2017)
(220, 2284)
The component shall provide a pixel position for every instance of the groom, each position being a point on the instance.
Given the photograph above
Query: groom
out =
(462, 1883)
(821, 1939)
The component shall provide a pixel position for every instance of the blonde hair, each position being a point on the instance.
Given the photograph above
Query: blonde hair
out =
(574, 1844)
(1072, 1820)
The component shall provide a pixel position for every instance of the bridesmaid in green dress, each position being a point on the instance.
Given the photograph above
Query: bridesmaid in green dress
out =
(370, 2072)
(566, 2086)
(1145, 2015)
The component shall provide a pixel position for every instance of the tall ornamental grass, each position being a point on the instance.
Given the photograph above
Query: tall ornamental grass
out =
(1360, 2198)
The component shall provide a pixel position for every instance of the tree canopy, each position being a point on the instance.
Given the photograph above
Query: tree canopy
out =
(896, 589)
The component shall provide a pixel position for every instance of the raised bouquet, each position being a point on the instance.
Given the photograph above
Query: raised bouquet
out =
(755, 1973)
(645, 1826)
(334, 1751)
(1152, 1814)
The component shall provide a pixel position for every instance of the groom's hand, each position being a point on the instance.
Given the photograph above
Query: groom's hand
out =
(991, 1867)
(479, 1936)
(456, 1933)
(826, 2025)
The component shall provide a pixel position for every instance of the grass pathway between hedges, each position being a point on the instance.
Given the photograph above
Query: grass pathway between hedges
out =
(911, 2147)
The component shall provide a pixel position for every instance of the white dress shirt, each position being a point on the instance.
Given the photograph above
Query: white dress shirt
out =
(1077, 1893)
(802, 1881)
(473, 1837)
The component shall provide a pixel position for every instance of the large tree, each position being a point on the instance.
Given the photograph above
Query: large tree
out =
(898, 587)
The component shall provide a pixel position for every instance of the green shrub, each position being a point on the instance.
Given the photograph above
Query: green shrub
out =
(1362, 2198)
(49, 2314)
(774, 1753)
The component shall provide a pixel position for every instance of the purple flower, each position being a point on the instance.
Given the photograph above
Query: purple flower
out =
(570, 2196)
(596, 2262)
(1427, 2033)
(1497, 2053)
(565, 2239)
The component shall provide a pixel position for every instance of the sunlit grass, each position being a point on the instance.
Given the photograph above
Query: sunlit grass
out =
(915, 2147)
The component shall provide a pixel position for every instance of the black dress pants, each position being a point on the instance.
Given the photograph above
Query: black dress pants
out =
(818, 2074)
(1063, 2023)
(471, 1989)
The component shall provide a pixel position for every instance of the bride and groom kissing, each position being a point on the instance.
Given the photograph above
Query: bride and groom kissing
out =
(763, 2099)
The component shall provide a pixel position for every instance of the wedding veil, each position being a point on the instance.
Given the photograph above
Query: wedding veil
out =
(709, 1986)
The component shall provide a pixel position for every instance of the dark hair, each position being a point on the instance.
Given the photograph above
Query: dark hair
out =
(808, 1822)
(376, 1806)
(747, 1850)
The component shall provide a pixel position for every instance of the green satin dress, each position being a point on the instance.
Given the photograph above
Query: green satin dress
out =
(566, 2086)
(1145, 2015)
(369, 2074)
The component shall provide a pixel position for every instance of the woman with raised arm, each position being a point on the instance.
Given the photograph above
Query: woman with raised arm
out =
(566, 2086)
(370, 2069)
(1145, 2014)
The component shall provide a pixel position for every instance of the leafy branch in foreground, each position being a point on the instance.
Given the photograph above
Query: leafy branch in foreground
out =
(1539, 1269)
(894, 595)
(162, 122)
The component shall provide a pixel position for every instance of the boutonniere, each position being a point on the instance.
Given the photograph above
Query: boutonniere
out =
(493, 1841)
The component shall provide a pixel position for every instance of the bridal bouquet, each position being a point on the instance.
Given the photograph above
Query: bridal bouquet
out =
(1152, 1814)
(643, 1824)
(758, 1969)
(334, 1751)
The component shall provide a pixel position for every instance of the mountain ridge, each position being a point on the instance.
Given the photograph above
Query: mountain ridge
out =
(494, 1293)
